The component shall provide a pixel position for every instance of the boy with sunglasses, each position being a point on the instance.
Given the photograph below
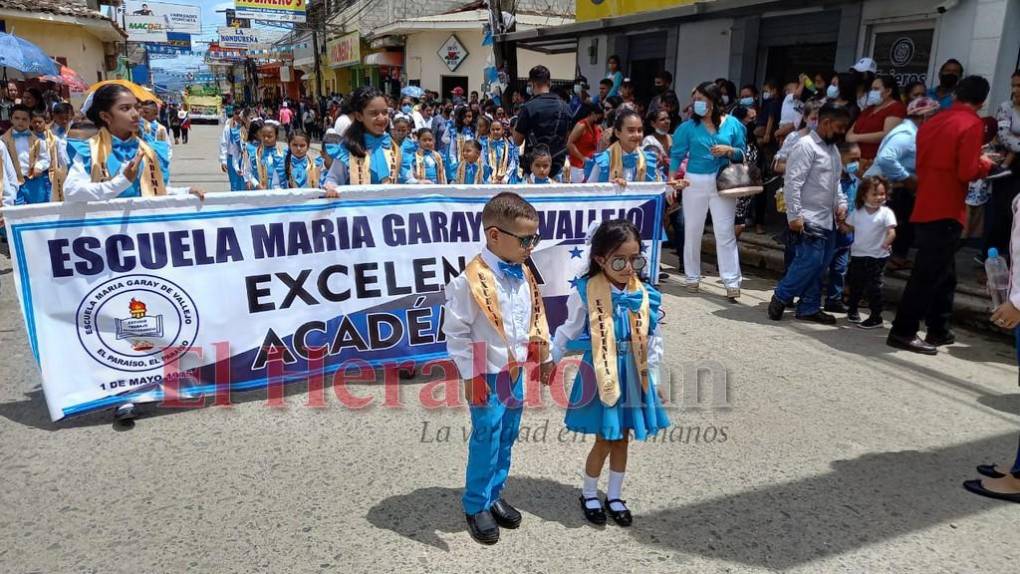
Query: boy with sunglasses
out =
(495, 326)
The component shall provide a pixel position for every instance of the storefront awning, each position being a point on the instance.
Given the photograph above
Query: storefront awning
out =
(393, 59)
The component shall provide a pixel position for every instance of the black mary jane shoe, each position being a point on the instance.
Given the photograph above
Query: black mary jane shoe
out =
(506, 516)
(623, 517)
(483, 527)
(989, 471)
(976, 487)
(596, 516)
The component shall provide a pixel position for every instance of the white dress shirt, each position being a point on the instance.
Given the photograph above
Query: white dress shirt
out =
(577, 320)
(465, 322)
(79, 186)
(10, 190)
(42, 163)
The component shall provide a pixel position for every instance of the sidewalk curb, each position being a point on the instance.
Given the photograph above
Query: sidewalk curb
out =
(971, 306)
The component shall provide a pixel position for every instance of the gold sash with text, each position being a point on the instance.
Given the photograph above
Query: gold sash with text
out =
(603, 336)
(101, 146)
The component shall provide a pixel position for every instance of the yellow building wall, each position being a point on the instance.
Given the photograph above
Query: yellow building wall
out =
(597, 9)
(421, 60)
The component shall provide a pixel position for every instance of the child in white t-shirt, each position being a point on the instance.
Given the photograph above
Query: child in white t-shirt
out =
(874, 228)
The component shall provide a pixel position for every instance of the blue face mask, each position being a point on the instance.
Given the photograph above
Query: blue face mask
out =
(874, 97)
(832, 92)
(406, 109)
(700, 108)
(747, 102)
(852, 168)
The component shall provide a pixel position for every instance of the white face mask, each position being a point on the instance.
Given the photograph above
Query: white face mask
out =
(661, 131)
(725, 99)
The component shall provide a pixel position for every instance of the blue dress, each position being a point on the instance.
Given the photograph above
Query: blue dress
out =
(124, 152)
(375, 147)
(630, 162)
(636, 410)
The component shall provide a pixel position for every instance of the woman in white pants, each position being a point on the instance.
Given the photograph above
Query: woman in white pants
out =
(709, 141)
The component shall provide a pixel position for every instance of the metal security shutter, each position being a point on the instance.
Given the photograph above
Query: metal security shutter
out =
(647, 46)
(810, 28)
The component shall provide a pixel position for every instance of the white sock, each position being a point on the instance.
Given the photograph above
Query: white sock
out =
(613, 491)
(590, 490)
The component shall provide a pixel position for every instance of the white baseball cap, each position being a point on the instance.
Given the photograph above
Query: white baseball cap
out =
(865, 65)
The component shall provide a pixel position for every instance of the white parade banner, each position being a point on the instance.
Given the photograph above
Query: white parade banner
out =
(149, 299)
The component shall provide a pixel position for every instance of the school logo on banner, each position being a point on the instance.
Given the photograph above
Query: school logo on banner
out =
(137, 323)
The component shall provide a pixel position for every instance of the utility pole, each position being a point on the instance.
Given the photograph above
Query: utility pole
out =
(505, 52)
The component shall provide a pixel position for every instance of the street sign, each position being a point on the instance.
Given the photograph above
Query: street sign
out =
(452, 53)
(271, 10)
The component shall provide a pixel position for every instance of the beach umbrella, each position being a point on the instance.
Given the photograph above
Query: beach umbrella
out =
(139, 92)
(25, 57)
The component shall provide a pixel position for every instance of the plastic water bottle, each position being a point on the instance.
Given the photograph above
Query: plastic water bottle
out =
(998, 277)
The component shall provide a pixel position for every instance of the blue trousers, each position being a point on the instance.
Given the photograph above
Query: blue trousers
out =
(494, 427)
(236, 180)
(813, 251)
(35, 190)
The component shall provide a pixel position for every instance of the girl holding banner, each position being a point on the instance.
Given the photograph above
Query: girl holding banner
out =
(116, 163)
(613, 317)
(367, 155)
(267, 156)
(625, 160)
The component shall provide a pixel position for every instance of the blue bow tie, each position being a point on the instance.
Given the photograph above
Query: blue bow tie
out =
(512, 271)
(630, 300)
(125, 148)
(21, 134)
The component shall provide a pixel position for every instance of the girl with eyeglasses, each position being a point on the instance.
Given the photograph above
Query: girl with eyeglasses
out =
(613, 317)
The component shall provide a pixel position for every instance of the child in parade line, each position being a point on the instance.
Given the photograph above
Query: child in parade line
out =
(541, 166)
(330, 148)
(426, 165)
(482, 126)
(367, 155)
(502, 164)
(613, 316)
(401, 134)
(874, 229)
(297, 170)
(495, 306)
(250, 147)
(232, 144)
(469, 169)
(850, 155)
(624, 160)
(31, 158)
(267, 156)
(117, 163)
(462, 131)
(40, 127)
(59, 127)
(152, 130)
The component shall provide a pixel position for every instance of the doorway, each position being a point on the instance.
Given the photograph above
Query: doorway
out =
(451, 82)
(642, 76)
(787, 63)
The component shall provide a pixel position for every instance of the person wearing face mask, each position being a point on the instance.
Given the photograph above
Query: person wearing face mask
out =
(657, 126)
(578, 97)
(729, 94)
(768, 118)
(545, 119)
(884, 112)
(663, 90)
(850, 155)
(710, 140)
(949, 75)
(814, 205)
(895, 161)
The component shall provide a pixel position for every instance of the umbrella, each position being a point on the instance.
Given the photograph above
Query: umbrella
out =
(69, 78)
(413, 92)
(138, 91)
(26, 57)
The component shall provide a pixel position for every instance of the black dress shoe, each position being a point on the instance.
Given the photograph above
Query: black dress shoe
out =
(483, 527)
(776, 308)
(821, 317)
(623, 517)
(506, 516)
(835, 307)
(975, 487)
(915, 345)
(989, 471)
(593, 515)
(940, 339)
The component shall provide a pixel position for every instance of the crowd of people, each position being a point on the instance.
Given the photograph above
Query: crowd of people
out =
(862, 169)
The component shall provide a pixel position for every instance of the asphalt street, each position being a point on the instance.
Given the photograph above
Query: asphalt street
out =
(808, 449)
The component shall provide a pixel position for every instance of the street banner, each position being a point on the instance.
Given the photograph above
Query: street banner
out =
(154, 298)
(271, 10)
(179, 18)
(243, 38)
(176, 44)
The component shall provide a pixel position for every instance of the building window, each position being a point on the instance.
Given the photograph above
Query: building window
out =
(593, 52)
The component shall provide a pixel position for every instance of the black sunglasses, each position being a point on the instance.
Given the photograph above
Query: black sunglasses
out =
(527, 241)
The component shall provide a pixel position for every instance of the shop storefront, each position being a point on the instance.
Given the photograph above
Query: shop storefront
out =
(344, 57)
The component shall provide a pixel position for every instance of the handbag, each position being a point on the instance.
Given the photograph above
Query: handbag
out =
(739, 180)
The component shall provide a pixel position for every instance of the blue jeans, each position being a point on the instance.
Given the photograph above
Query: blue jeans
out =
(813, 250)
(838, 267)
(494, 428)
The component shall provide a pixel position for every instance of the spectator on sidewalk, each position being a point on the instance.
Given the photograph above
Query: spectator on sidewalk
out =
(814, 203)
(545, 119)
(948, 158)
(896, 161)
